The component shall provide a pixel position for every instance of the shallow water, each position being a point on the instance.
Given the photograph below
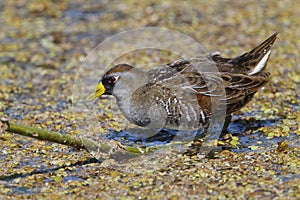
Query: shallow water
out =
(236, 128)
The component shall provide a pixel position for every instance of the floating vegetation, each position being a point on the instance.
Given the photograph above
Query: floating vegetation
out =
(43, 43)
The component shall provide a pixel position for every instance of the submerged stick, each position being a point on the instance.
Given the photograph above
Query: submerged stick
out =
(73, 141)
(76, 142)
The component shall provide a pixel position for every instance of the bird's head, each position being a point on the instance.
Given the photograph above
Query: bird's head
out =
(106, 84)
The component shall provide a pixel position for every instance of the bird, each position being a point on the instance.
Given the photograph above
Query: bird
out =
(180, 95)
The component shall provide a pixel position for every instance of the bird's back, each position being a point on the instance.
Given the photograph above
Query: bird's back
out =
(241, 77)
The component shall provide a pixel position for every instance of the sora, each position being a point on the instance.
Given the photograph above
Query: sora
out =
(179, 95)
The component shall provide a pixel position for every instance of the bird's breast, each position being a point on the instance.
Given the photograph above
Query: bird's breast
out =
(164, 108)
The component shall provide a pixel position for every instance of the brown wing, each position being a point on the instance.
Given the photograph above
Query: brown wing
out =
(241, 88)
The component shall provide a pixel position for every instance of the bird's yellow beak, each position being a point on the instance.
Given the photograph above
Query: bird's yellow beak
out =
(100, 89)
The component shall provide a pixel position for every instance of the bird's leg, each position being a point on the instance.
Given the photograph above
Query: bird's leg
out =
(226, 124)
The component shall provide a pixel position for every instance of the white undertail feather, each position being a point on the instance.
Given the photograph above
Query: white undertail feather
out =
(261, 64)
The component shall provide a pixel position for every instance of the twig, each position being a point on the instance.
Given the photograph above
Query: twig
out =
(73, 141)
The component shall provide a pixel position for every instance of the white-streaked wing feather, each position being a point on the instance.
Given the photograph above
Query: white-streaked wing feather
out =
(261, 64)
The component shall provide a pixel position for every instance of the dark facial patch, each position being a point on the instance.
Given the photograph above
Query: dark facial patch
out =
(110, 77)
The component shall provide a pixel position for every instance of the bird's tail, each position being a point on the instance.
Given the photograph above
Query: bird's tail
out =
(255, 60)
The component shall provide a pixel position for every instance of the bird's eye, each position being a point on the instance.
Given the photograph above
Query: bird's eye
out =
(113, 79)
